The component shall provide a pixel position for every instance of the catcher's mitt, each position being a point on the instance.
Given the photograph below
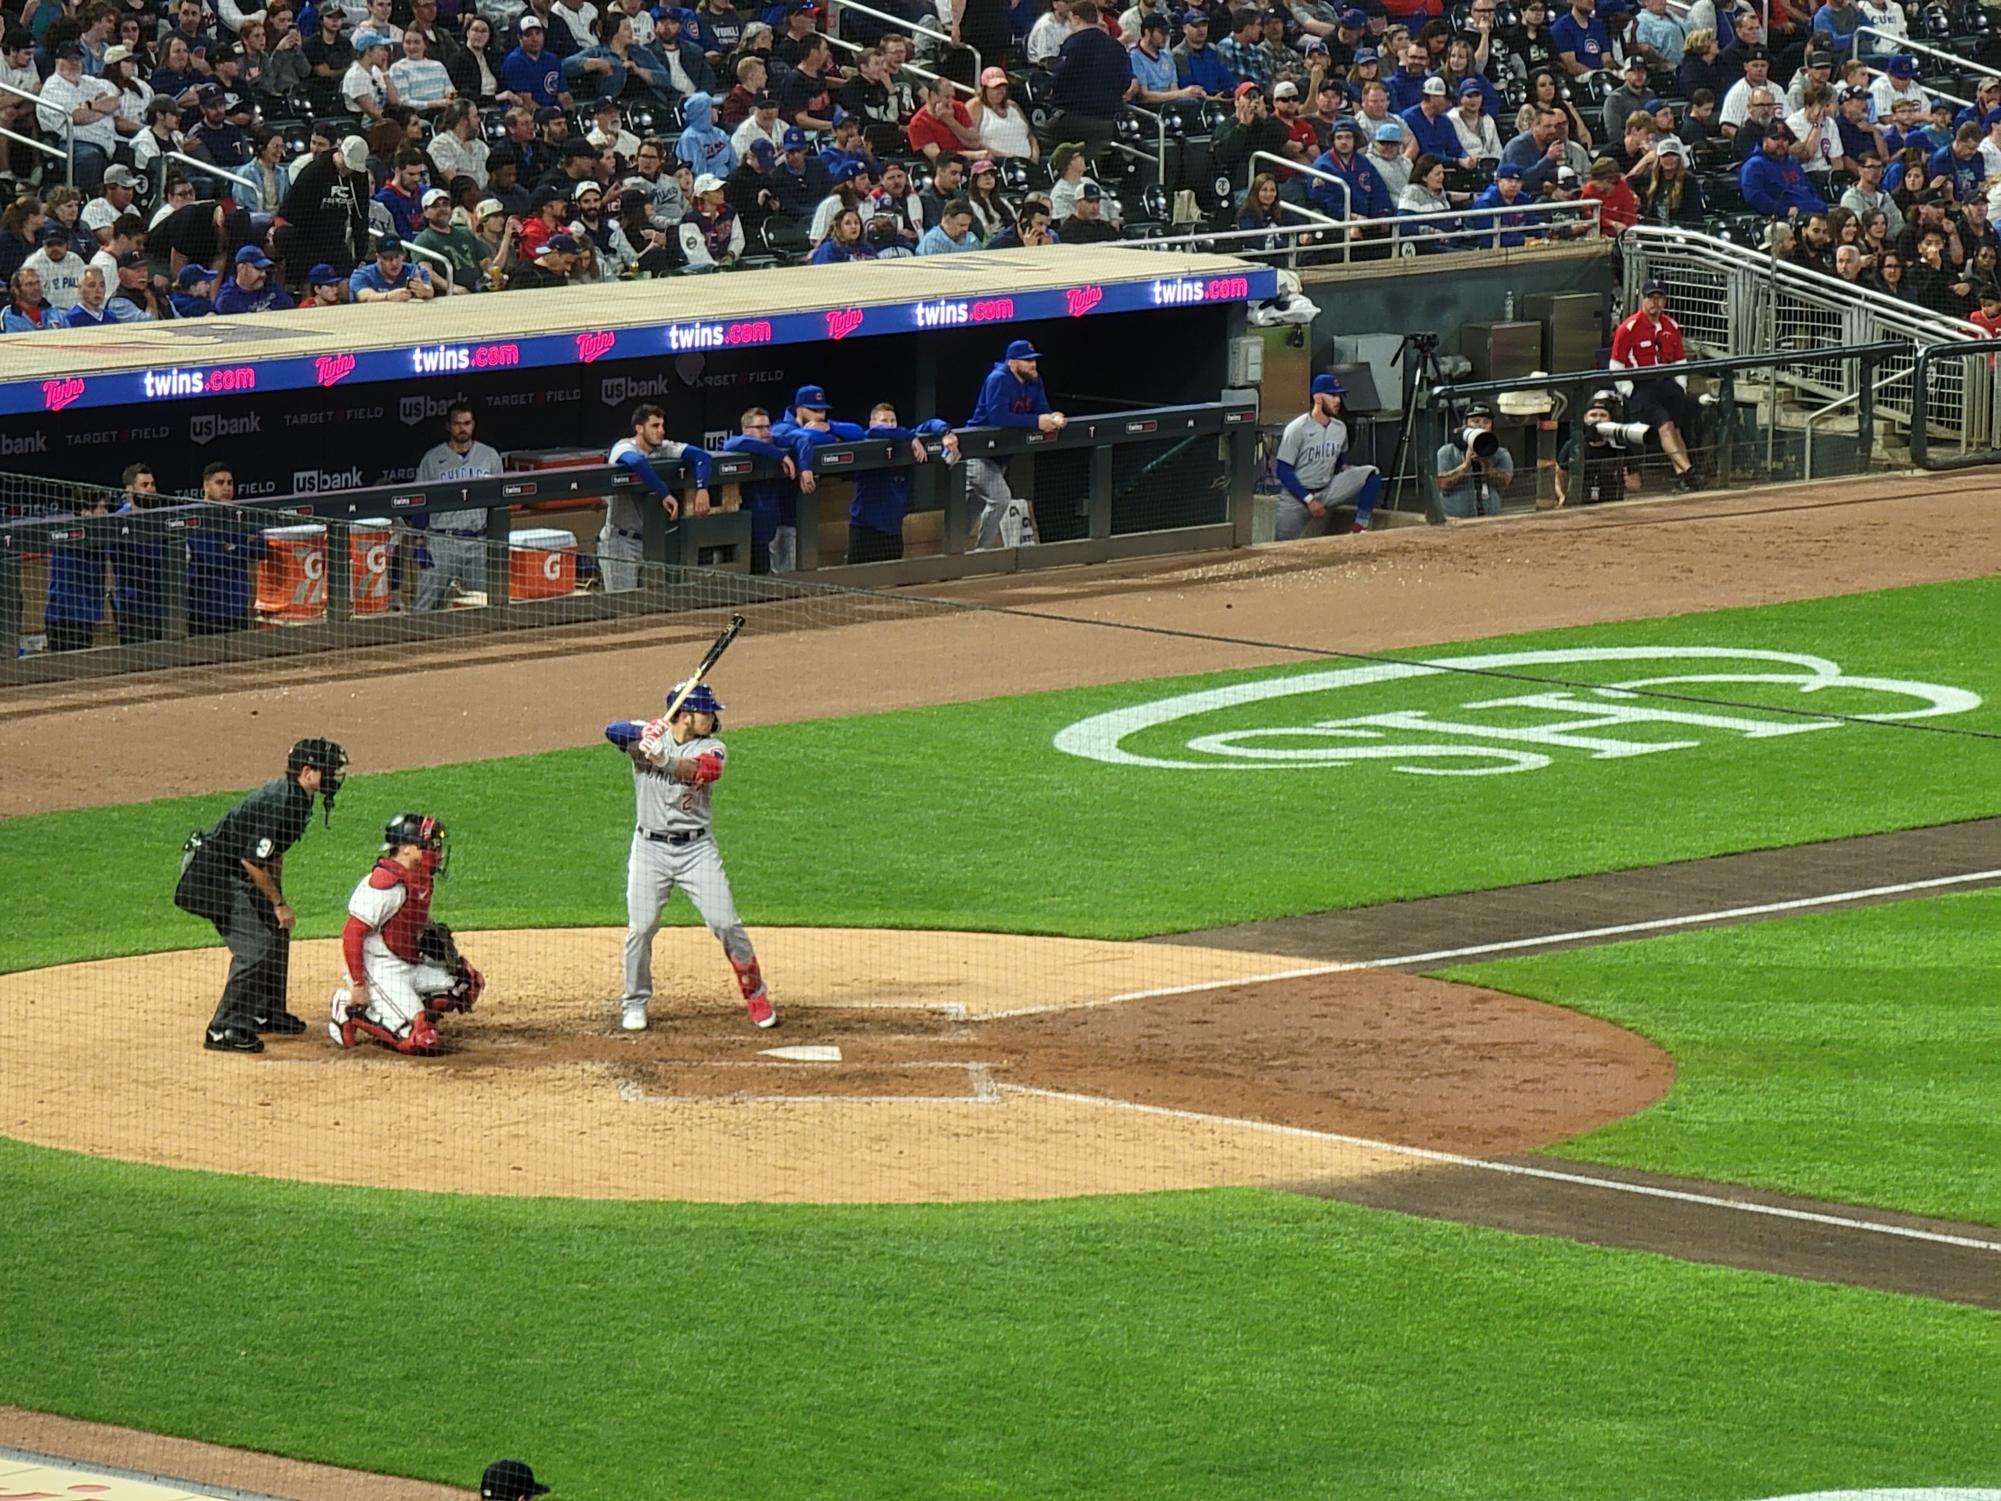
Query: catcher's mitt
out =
(435, 945)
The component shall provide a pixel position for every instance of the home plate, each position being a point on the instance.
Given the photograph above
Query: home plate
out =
(805, 1054)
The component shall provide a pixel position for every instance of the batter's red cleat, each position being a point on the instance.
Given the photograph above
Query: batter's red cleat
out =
(761, 1010)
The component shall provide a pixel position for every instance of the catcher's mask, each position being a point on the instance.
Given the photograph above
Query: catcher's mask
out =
(423, 831)
(701, 699)
(328, 758)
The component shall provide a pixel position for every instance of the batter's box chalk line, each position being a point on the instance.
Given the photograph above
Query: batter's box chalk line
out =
(979, 1083)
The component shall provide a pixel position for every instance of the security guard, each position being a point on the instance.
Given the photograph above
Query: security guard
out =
(232, 875)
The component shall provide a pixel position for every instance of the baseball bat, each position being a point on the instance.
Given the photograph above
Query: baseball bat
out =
(722, 644)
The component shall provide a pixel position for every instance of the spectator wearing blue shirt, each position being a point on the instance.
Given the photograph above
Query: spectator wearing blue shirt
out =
(1088, 84)
(1197, 64)
(221, 553)
(1962, 163)
(1368, 196)
(1153, 65)
(1774, 183)
(1431, 128)
(136, 564)
(882, 496)
(771, 502)
(1662, 41)
(1503, 193)
(532, 71)
(1406, 85)
(403, 194)
(953, 231)
(391, 277)
(1836, 23)
(190, 297)
(250, 289)
(1582, 44)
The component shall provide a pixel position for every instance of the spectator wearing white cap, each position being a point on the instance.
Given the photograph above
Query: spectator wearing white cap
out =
(1087, 224)
(117, 197)
(1302, 141)
(326, 213)
(251, 288)
(469, 257)
(1431, 132)
(531, 72)
(421, 80)
(711, 231)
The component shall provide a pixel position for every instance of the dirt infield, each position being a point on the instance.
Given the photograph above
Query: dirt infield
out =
(938, 1087)
(491, 696)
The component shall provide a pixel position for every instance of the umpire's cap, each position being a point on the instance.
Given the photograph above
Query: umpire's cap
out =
(327, 757)
(509, 1480)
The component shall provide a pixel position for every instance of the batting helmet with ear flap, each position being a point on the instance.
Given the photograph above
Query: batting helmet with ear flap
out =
(701, 699)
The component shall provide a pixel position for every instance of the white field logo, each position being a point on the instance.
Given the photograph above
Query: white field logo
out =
(1460, 743)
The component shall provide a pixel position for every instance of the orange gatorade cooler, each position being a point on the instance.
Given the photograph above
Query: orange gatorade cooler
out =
(292, 579)
(371, 543)
(542, 564)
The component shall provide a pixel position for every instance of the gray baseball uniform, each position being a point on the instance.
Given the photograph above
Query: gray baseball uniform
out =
(673, 846)
(458, 538)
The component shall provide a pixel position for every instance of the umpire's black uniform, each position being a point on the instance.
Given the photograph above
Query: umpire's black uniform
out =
(214, 885)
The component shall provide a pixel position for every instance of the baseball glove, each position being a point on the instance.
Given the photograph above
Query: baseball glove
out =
(436, 945)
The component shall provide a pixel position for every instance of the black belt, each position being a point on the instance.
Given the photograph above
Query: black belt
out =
(619, 531)
(688, 838)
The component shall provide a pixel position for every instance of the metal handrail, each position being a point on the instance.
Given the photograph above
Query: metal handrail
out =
(1806, 459)
(1347, 193)
(1159, 118)
(68, 153)
(912, 29)
(1930, 93)
(841, 41)
(451, 287)
(210, 169)
(30, 141)
(1905, 44)
(1582, 208)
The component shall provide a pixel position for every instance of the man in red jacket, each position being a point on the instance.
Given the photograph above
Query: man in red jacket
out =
(1651, 337)
(402, 969)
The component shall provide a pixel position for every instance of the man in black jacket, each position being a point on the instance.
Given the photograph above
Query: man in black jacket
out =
(1089, 83)
(326, 212)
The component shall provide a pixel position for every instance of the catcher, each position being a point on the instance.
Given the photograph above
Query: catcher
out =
(403, 970)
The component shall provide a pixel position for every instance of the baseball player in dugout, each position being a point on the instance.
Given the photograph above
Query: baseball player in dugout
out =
(403, 970)
(233, 876)
(676, 763)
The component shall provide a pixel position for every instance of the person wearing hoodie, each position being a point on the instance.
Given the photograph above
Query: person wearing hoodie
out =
(1012, 396)
(1366, 197)
(75, 602)
(703, 145)
(882, 496)
(326, 211)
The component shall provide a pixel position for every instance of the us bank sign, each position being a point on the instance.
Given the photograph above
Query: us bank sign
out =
(1676, 698)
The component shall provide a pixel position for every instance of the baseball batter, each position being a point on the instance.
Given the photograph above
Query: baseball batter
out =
(1313, 465)
(402, 969)
(675, 767)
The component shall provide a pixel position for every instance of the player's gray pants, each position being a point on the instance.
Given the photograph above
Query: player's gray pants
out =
(1292, 514)
(461, 558)
(618, 559)
(1004, 520)
(651, 874)
(785, 549)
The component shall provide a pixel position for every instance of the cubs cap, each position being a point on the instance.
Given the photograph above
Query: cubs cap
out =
(1353, 19)
(509, 1480)
(1327, 385)
(322, 275)
(250, 255)
(1021, 349)
(812, 398)
(795, 138)
(194, 274)
(1471, 87)
(1635, 65)
(762, 149)
(1507, 169)
(1347, 123)
(1903, 65)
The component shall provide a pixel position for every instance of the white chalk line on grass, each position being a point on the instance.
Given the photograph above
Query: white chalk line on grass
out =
(1520, 1170)
(1542, 940)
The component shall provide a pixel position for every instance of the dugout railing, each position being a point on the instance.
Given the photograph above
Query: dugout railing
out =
(1753, 419)
(1109, 485)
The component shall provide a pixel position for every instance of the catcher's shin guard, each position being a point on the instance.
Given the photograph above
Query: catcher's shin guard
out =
(423, 1040)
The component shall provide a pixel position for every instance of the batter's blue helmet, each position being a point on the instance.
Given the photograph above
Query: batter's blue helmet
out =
(701, 699)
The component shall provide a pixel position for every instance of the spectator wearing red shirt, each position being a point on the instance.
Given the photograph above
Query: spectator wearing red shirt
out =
(1647, 338)
(1302, 141)
(1618, 207)
(942, 127)
(1988, 318)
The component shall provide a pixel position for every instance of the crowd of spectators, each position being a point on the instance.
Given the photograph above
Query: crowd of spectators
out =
(230, 160)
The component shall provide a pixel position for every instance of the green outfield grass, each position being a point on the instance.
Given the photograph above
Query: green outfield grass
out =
(1218, 1345)
(1847, 1055)
(964, 816)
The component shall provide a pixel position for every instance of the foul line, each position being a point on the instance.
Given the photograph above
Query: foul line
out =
(1521, 1170)
(1575, 935)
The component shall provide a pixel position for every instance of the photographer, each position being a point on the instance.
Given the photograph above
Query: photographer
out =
(1470, 484)
(1602, 460)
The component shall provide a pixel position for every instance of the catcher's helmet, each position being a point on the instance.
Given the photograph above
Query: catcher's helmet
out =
(701, 699)
(422, 830)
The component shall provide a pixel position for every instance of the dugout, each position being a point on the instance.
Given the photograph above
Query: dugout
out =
(310, 402)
